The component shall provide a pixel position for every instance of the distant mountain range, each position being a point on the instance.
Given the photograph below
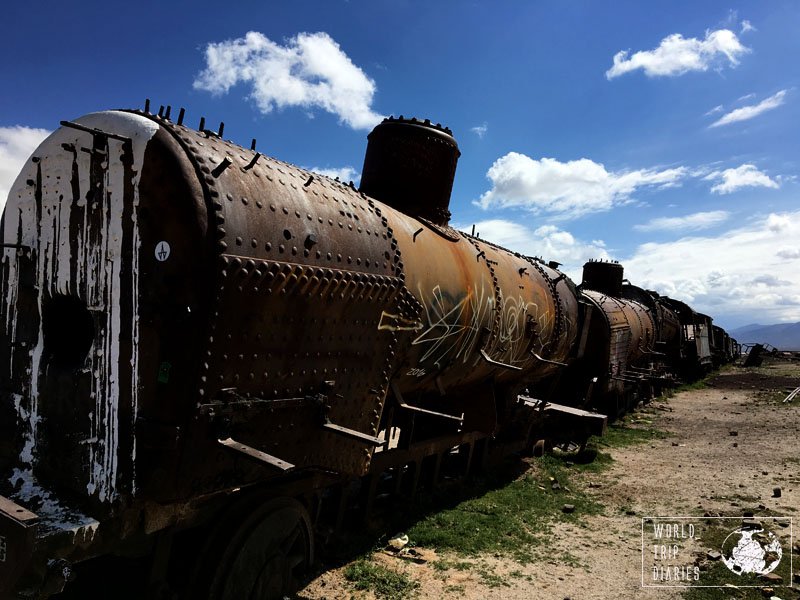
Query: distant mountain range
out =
(784, 336)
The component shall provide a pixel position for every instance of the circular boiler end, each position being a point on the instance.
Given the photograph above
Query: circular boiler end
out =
(410, 165)
(604, 277)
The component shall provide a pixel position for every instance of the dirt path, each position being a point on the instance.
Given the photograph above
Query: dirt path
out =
(725, 450)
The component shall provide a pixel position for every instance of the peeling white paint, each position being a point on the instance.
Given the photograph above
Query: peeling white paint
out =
(53, 515)
(98, 281)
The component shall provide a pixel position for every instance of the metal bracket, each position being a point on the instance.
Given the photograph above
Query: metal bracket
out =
(402, 404)
(95, 131)
(258, 455)
(352, 434)
(534, 403)
(497, 363)
(549, 362)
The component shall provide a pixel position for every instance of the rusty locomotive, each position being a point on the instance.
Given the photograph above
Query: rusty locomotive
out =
(198, 335)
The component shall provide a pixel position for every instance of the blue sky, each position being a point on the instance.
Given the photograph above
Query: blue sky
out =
(661, 135)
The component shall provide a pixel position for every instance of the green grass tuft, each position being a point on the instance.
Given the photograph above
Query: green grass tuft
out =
(621, 435)
(512, 520)
(384, 583)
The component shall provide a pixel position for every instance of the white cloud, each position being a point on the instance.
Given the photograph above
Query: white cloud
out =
(714, 110)
(734, 275)
(769, 281)
(693, 222)
(548, 242)
(16, 145)
(344, 174)
(310, 71)
(677, 55)
(778, 223)
(742, 176)
(789, 253)
(747, 26)
(748, 112)
(567, 190)
(480, 130)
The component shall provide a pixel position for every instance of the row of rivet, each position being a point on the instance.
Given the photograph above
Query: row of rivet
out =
(193, 149)
(498, 295)
(559, 327)
(273, 277)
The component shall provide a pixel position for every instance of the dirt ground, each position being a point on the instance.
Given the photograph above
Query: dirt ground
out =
(726, 448)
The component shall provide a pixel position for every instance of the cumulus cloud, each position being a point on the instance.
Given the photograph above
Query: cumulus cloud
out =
(343, 173)
(693, 222)
(570, 189)
(749, 112)
(16, 145)
(734, 275)
(480, 130)
(310, 71)
(548, 242)
(778, 223)
(745, 175)
(677, 55)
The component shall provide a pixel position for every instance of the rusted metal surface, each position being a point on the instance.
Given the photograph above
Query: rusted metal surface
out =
(603, 276)
(478, 297)
(667, 324)
(410, 165)
(631, 330)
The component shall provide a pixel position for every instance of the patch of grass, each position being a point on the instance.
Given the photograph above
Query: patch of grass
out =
(446, 565)
(492, 579)
(571, 560)
(512, 520)
(455, 589)
(775, 398)
(700, 384)
(386, 584)
(621, 435)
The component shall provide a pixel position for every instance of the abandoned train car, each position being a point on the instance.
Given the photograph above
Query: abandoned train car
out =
(200, 335)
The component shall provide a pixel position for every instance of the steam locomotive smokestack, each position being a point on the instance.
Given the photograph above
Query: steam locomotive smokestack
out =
(410, 165)
(603, 277)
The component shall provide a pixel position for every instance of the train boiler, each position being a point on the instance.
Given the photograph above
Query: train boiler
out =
(620, 336)
(188, 321)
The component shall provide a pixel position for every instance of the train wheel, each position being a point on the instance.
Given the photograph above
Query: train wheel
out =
(267, 555)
